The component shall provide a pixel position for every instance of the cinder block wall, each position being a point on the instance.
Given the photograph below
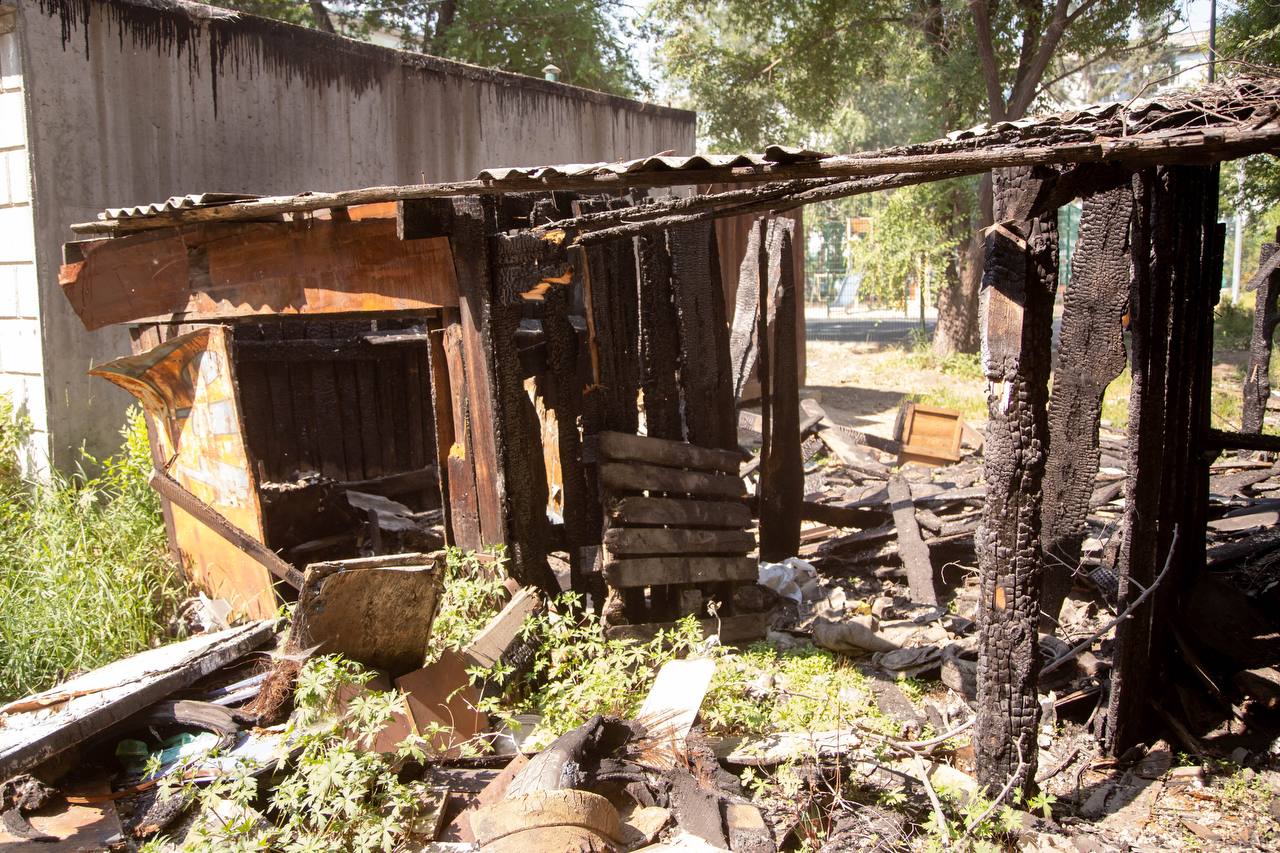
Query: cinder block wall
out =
(131, 102)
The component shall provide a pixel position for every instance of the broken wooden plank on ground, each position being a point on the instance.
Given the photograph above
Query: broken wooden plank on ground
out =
(38, 727)
(668, 712)
(496, 641)
(912, 551)
(376, 611)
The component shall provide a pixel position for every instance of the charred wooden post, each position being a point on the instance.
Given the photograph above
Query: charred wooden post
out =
(781, 489)
(1018, 288)
(745, 338)
(706, 380)
(659, 339)
(1177, 258)
(1090, 355)
(1257, 380)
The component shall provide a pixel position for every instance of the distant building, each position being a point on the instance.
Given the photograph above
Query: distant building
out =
(1180, 61)
(111, 101)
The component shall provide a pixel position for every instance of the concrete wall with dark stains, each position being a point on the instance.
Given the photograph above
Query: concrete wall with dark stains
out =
(132, 102)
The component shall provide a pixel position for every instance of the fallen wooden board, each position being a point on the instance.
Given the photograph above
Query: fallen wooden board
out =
(636, 477)
(76, 825)
(911, 548)
(659, 571)
(374, 610)
(623, 447)
(641, 541)
(677, 512)
(669, 710)
(497, 638)
(76, 710)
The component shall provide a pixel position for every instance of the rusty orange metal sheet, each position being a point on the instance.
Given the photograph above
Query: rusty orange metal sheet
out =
(187, 385)
(224, 270)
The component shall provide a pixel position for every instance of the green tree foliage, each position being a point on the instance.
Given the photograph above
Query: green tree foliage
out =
(850, 74)
(586, 39)
(1249, 43)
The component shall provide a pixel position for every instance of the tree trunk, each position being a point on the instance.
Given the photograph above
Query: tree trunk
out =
(957, 328)
(320, 15)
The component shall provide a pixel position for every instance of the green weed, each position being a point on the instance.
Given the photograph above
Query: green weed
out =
(1232, 326)
(84, 572)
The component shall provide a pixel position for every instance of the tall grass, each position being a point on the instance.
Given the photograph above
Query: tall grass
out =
(84, 571)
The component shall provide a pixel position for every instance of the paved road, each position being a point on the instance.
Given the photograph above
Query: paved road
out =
(881, 331)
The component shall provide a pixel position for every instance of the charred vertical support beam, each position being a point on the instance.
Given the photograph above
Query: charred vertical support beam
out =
(1091, 354)
(1177, 267)
(1257, 380)
(523, 266)
(613, 316)
(659, 339)
(782, 469)
(706, 382)
(746, 335)
(1018, 288)
(442, 410)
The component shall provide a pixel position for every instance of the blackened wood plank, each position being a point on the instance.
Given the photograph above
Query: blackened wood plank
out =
(706, 383)
(659, 339)
(324, 385)
(744, 337)
(303, 399)
(624, 447)
(460, 466)
(675, 512)
(473, 222)
(655, 571)
(612, 305)
(1091, 354)
(622, 477)
(520, 432)
(781, 487)
(652, 541)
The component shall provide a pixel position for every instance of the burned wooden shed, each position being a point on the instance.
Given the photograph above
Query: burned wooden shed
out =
(569, 337)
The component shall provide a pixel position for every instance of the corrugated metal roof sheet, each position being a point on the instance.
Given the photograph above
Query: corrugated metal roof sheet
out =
(177, 202)
(657, 163)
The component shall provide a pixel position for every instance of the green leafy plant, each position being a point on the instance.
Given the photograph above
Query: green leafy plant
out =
(338, 794)
(473, 593)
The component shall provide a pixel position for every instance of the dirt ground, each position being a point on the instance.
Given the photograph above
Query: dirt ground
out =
(862, 385)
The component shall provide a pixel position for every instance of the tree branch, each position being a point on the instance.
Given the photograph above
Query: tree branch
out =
(986, 50)
(320, 16)
(1028, 82)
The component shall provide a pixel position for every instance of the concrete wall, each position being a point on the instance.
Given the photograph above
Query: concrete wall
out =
(135, 102)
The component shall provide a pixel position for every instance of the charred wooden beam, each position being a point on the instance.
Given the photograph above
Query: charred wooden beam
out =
(705, 380)
(1091, 354)
(744, 337)
(1177, 268)
(1018, 288)
(1220, 440)
(623, 447)
(659, 339)
(1257, 378)
(613, 314)
(781, 487)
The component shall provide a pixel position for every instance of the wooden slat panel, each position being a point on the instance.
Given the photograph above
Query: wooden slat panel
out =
(220, 271)
(623, 447)
(326, 410)
(620, 477)
(653, 571)
(681, 513)
(645, 541)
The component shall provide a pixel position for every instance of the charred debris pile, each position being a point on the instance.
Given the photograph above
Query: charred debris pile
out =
(683, 606)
